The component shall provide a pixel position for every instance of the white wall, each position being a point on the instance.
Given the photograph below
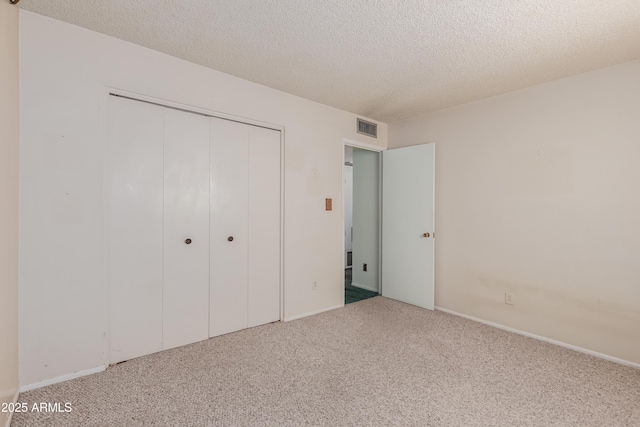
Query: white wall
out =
(366, 212)
(537, 194)
(62, 271)
(9, 137)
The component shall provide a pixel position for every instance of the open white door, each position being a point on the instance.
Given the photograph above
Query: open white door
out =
(408, 190)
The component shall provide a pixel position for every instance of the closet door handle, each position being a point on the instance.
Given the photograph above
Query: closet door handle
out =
(188, 241)
(230, 238)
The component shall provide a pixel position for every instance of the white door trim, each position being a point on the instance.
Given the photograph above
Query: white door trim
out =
(358, 144)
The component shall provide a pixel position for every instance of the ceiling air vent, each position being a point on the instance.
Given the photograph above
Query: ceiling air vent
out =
(367, 128)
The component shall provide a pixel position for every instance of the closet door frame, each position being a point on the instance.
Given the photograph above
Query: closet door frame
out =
(133, 96)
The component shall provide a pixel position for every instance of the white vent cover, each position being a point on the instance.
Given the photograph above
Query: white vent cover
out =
(367, 128)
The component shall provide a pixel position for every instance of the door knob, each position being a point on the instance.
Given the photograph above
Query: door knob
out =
(426, 235)
(230, 238)
(188, 241)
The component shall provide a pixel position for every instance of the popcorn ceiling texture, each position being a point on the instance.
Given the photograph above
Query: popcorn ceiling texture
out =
(376, 362)
(388, 60)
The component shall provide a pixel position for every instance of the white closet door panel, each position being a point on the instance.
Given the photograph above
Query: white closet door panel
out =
(229, 214)
(264, 226)
(134, 156)
(186, 216)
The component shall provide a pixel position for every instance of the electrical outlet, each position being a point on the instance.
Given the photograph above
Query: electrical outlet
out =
(364, 267)
(314, 286)
(508, 298)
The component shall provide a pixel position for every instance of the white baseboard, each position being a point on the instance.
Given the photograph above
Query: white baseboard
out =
(14, 401)
(311, 313)
(366, 288)
(56, 380)
(545, 339)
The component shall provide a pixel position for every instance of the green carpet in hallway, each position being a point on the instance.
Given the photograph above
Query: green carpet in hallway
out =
(352, 293)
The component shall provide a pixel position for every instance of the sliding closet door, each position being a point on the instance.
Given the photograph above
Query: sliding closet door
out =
(229, 226)
(264, 226)
(194, 227)
(135, 220)
(186, 228)
(158, 163)
(245, 226)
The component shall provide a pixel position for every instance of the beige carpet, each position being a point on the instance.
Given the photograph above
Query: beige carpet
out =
(374, 363)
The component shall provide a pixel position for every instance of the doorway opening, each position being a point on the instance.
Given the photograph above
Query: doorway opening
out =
(361, 189)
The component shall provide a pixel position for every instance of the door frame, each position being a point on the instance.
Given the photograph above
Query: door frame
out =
(106, 92)
(375, 148)
(348, 170)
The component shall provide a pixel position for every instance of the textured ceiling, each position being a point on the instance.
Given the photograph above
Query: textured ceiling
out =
(388, 60)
